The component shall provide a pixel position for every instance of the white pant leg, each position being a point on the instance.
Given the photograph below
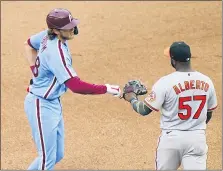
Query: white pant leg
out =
(194, 162)
(195, 158)
(168, 156)
(188, 147)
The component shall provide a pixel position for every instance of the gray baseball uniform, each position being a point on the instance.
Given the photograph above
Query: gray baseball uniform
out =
(183, 98)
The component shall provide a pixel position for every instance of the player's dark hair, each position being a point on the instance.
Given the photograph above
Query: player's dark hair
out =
(51, 34)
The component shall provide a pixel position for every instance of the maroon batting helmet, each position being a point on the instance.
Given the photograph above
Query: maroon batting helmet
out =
(60, 18)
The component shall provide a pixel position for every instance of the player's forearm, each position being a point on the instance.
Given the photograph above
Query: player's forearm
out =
(140, 107)
(81, 87)
(30, 54)
(209, 116)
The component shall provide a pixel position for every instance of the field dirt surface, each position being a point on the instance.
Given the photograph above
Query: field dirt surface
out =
(117, 41)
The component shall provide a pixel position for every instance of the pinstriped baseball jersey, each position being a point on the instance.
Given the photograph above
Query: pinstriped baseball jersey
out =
(183, 99)
(52, 68)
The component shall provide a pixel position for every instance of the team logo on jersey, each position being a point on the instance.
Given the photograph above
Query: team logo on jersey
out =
(151, 97)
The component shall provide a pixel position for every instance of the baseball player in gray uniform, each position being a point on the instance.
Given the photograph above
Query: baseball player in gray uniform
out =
(185, 99)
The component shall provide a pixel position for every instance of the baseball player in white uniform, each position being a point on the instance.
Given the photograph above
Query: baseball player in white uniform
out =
(185, 99)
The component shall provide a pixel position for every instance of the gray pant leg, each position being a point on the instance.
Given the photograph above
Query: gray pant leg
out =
(168, 159)
(168, 156)
(196, 159)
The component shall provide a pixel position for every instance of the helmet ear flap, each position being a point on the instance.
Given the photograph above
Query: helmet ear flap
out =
(75, 30)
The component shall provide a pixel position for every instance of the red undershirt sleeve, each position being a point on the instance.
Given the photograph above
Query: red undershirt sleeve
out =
(78, 86)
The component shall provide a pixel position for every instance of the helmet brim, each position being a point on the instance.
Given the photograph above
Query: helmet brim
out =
(71, 25)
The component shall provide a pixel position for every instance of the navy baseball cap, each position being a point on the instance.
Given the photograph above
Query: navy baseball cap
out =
(180, 51)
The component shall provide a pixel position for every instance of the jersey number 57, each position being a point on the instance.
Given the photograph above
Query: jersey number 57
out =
(186, 107)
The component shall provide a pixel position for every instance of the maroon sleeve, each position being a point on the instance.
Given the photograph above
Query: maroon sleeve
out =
(29, 43)
(32, 68)
(81, 87)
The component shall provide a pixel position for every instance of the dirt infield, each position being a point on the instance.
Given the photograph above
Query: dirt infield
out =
(118, 41)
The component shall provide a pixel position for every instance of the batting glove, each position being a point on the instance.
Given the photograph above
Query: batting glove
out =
(114, 90)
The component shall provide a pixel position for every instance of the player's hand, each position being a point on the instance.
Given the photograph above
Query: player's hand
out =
(133, 88)
(114, 90)
(129, 96)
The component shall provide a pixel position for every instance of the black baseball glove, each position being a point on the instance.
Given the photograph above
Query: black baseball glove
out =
(134, 86)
